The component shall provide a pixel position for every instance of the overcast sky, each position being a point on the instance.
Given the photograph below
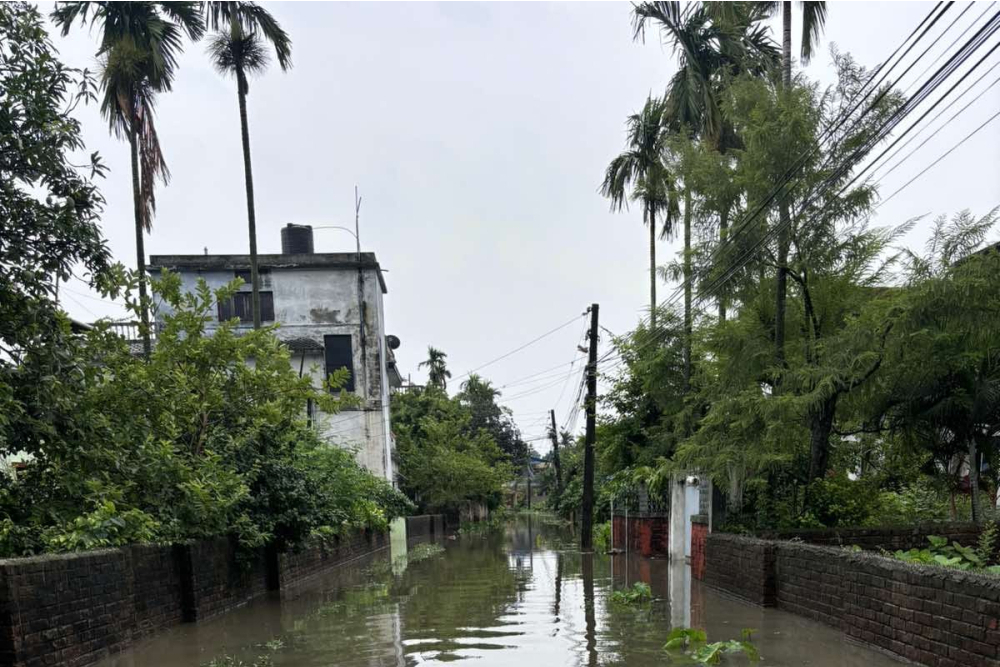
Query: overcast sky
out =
(478, 135)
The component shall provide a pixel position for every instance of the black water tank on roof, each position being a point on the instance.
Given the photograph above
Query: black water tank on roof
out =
(296, 239)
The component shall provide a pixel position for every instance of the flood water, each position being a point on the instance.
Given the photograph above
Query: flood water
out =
(519, 598)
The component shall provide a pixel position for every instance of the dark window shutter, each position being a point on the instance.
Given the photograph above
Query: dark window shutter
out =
(241, 306)
(339, 355)
(244, 306)
(266, 307)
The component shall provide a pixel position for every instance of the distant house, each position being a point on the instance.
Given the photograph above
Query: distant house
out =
(331, 315)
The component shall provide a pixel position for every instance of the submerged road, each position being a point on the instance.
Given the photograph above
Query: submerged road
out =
(519, 598)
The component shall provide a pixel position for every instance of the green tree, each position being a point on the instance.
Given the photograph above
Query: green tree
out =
(813, 22)
(139, 46)
(943, 386)
(713, 45)
(49, 214)
(443, 464)
(480, 398)
(437, 369)
(193, 442)
(237, 49)
(641, 167)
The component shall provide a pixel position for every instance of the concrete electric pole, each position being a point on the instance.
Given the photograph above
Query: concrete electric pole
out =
(587, 518)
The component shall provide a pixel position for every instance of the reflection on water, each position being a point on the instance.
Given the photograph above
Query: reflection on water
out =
(526, 597)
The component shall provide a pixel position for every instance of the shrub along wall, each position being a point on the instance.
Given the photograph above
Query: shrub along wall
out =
(889, 538)
(72, 610)
(931, 615)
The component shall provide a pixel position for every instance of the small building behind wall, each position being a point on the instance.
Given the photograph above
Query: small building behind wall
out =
(330, 310)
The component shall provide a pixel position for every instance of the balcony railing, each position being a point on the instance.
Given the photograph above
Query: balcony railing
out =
(130, 330)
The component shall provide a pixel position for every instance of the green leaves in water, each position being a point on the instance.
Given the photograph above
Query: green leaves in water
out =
(692, 645)
(423, 552)
(639, 593)
(260, 661)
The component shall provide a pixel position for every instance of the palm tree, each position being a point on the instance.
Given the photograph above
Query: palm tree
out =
(714, 41)
(641, 166)
(438, 373)
(813, 22)
(238, 49)
(139, 46)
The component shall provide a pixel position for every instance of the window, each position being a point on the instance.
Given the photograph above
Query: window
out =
(339, 355)
(264, 275)
(241, 306)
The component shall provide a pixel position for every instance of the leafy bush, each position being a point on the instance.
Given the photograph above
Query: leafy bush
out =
(193, 442)
(940, 552)
(602, 536)
(639, 593)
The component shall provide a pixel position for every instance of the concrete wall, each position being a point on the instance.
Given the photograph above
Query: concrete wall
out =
(74, 610)
(310, 303)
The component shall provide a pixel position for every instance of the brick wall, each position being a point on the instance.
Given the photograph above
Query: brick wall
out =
(218, 580)
(157, 589)
(73, 610)
(425, 525)
(699, 534)
(930, 615)
(648, 535)
(809, 582)
(889, 538)
(741, 566)
(294, 567)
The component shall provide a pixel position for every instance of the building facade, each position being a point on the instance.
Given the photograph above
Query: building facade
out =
(330, 313)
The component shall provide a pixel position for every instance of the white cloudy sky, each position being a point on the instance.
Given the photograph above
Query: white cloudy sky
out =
(477, 134)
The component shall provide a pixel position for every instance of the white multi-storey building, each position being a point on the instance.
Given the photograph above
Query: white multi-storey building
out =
(330, 311)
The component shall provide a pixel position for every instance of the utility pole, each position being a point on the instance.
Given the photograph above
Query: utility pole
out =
(555, 452)
(528, 478)
(587, 512)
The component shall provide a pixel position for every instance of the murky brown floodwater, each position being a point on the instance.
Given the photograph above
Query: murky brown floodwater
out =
(523, 598)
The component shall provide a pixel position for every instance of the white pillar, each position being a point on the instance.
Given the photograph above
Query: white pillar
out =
(678, 518)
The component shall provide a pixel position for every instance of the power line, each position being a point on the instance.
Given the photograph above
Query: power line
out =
(946, 123)
(946, 154)
(832, 127)
(518, 349)
(954, 62)
(887, 126)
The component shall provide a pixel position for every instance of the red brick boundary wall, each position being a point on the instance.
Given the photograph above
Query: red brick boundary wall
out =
(930, 615)
(648, 535)
(73, 610)
(699, 535)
